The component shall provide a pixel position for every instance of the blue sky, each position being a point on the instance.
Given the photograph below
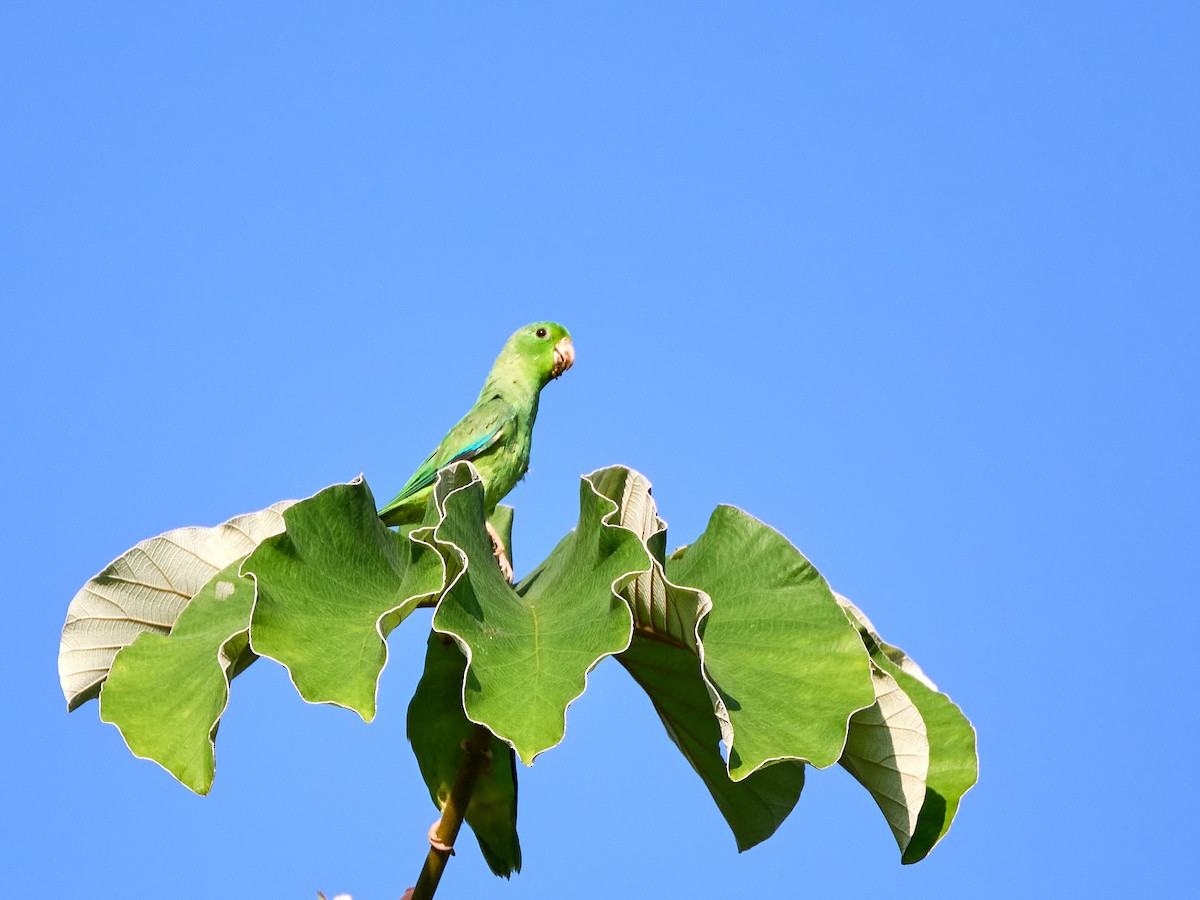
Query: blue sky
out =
(917, 287)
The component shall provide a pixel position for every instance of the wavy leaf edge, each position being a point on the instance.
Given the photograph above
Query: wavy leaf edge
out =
(615, 587)
(358, 480)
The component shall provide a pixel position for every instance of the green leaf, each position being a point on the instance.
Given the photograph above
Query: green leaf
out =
(786, 669)
(887, 752)
(529, 649)
(166, 693)
(330, 590)
(144, 590)
(661, 610)
(953, 760)
(897, 656)
(664, 659)
(755, 806)
(438, 729)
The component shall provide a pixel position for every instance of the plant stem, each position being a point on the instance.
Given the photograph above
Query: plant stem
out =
(475, 755)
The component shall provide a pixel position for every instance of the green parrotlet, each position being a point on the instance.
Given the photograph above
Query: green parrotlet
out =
(496, 433)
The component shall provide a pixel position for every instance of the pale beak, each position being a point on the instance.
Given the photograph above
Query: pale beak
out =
(564, 357)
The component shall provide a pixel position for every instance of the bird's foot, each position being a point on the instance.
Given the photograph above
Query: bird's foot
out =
(506, 568)
(435, 842)
(501, 553)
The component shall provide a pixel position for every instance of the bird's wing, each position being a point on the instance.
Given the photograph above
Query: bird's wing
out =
(477, 432)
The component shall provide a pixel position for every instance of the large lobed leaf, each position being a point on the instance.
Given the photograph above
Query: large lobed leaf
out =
(529, 647)
(160, 633)
(144, 590)
(785, 671)
(166, 693)
(953, 763)
(331, 588)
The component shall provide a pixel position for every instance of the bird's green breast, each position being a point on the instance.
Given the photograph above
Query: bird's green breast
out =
(507, 464)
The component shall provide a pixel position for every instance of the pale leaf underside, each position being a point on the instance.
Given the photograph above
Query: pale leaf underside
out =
(887, 752)
(145, 589)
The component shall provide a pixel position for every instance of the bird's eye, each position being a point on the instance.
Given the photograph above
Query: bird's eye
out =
(541, 332)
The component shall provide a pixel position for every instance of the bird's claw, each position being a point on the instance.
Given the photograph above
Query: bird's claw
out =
(501, 554)
(506, 568)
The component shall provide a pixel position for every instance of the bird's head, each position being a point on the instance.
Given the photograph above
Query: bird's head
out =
(546, 346)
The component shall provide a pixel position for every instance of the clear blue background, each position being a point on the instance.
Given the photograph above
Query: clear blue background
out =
(916, 286)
